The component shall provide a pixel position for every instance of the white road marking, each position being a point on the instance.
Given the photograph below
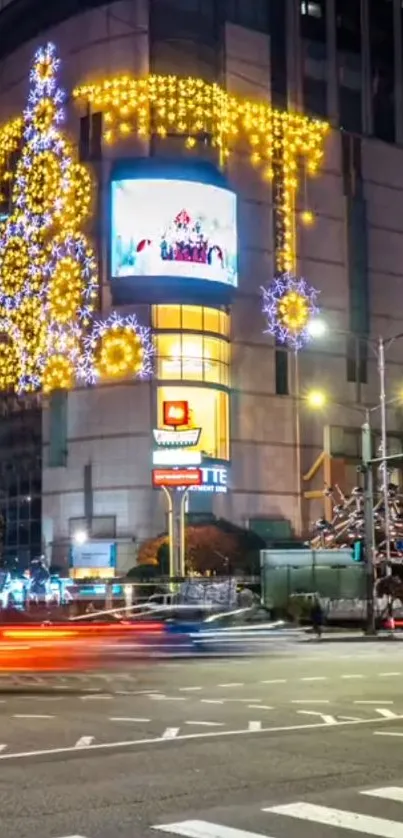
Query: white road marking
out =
(386, 733)
(349, 718)
(373, 702)
(31, 716)
(3, 748)
(127, 719)
(170, 733)
(389, 793)
(96, 697)
(234, 684)
(387, 714)
(158, 697)
(366, 824)
(260, 707)
(84, 741)
(211, 701)
(275, 681)
(310, 701)
(315, 678)
(204, 829)
(388, 674)
(206, 724)
(189, 689)
(329, 720)
(254, 726)
(157, 740)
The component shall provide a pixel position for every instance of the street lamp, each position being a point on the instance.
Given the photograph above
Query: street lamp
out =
(318, 399)
(379, 346)
(80, 537)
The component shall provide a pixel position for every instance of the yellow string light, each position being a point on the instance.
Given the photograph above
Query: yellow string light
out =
(293, 311)
(120, 354)
(78, 199)
(14, 266)
(65, 290)
(10, 363)
(58, 374)
(44, 182)
(195, 109)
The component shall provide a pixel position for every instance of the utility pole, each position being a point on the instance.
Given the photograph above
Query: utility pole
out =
(369, 553)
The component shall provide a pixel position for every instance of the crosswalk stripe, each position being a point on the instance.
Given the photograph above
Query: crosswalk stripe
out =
(388, 793)
(204, 829)
(366, 824)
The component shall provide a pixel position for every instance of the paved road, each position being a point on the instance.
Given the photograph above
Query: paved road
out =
(201, 749)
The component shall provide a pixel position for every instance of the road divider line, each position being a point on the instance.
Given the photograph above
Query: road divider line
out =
(310, 701)
(254, 726)
(275, 681)
(159, 740)
(389, 793)
(260, 707)
(366, 824)
(362, 701)
(329, 720)
(204, 829)
(127, 719)
(31, 716)
(206, 724)
(211, 701)
(384, 733)
(233, 684)
(388, 674)
(84, 741)
(170, 733)
(315, 678)
(387, 714)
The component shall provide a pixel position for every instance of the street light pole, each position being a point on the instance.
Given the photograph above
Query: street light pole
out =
(382, 400)
(366, 454)
(298, 464)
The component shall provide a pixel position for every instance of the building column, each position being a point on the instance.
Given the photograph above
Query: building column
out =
(294, 55)
(398, 47)
(332, 64)
(366, 78)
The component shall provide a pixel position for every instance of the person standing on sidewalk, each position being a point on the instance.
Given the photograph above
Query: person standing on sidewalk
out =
(317, 617)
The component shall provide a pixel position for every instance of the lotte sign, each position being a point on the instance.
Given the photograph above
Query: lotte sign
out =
(171, 477)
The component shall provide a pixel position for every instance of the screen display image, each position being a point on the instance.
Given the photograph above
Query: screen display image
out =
(173, 228)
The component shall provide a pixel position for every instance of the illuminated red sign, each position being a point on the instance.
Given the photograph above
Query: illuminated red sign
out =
(177, 477)
(176, 414)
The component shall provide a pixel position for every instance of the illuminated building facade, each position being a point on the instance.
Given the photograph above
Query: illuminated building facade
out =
(224, 105)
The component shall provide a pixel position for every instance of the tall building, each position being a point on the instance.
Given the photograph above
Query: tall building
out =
(158, 162)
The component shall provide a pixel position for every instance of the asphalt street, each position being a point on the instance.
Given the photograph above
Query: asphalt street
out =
(307, 738)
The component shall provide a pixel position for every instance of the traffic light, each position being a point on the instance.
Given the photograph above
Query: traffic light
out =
(358, 552)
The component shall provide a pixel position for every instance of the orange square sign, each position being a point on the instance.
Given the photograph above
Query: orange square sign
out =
(176, 414)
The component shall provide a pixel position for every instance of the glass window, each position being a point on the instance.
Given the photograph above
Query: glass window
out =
(192, 318)
(382, 68)
(211, 320)
(208, 410)
(193, 357)
(166, 317)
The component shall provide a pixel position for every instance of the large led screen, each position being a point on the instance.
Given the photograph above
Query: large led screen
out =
(173, 228)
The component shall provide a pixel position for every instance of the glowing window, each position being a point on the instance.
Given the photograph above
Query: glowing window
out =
(166, 317)
(192, 357)
(191, 318)
(209, 410)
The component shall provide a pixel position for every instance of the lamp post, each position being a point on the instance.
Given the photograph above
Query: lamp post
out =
(317, 399)
(379, 346)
